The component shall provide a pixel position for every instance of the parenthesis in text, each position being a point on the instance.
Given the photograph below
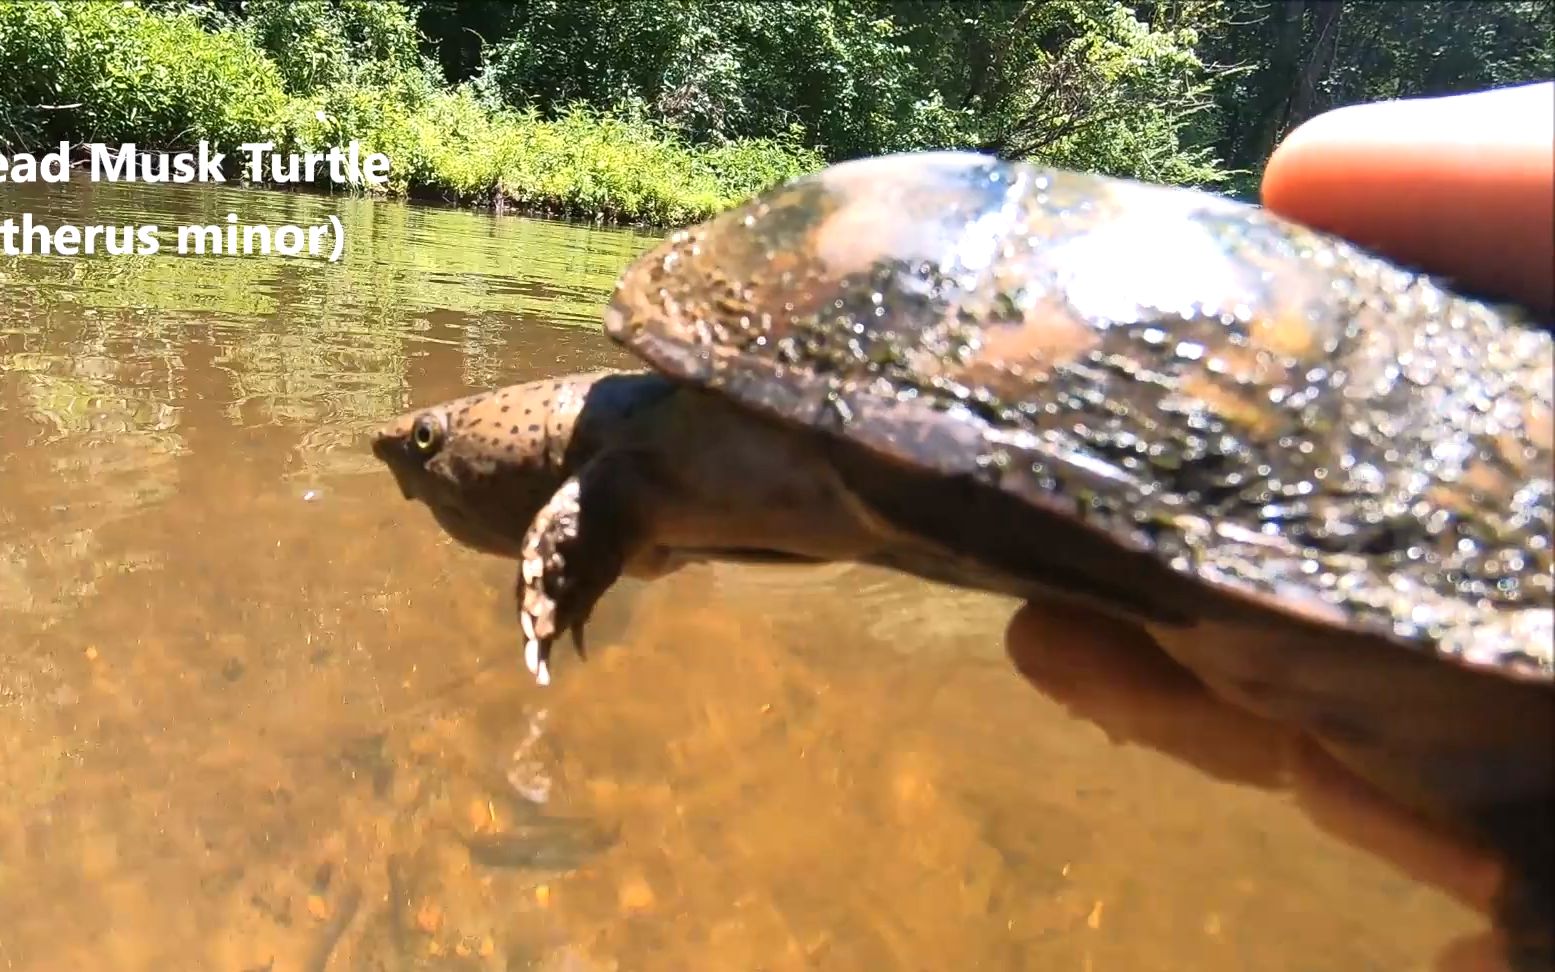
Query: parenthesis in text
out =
(340, 239)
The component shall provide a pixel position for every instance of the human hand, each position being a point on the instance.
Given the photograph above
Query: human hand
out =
(1111, 674)
(1462, 187)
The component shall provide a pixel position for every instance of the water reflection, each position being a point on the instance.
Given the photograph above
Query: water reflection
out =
(256, 712)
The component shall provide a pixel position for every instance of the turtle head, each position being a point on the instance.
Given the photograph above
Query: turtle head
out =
(484, 464)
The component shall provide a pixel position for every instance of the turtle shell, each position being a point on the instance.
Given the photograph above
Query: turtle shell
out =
(1266, 409)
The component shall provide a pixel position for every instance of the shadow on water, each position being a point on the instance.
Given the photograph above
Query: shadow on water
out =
(256, 712)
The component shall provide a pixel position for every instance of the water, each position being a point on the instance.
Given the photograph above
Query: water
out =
(258, 713)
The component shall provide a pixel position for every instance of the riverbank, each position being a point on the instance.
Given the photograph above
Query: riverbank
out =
(107, 72)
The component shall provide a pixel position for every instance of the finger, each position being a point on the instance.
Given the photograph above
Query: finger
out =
(1429, 851)
(1462, 186)
(1112, 674)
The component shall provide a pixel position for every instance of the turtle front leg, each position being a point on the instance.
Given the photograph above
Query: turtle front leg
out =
(576, 547)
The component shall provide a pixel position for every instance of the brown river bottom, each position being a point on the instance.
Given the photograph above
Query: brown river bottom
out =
(258, 713)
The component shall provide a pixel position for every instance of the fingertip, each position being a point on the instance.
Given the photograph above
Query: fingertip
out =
(1462, 186)
(1470, 138)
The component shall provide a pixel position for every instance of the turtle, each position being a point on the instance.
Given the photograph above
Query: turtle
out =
(1321, 480)
(1042, 382)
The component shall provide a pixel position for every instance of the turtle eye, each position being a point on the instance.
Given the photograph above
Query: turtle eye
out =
(427, 436)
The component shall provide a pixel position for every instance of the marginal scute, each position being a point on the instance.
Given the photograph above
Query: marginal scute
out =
(1271, 411)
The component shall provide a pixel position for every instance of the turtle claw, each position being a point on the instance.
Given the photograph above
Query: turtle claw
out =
(536, 654)
(567, 562)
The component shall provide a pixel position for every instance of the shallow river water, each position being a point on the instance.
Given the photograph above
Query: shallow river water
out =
(258, 713)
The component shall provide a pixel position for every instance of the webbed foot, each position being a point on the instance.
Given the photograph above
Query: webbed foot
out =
(575, 548)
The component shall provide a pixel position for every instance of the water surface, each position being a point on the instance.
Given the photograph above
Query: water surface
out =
(258, 713)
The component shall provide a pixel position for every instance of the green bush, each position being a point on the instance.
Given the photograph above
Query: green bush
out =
(320, 43)
(717, 70)
(311, 74)
(584, 164)
(95, 70)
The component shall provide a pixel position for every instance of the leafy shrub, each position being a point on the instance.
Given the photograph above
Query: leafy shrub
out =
(317, 44)
(165, 75)
(96, 70)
